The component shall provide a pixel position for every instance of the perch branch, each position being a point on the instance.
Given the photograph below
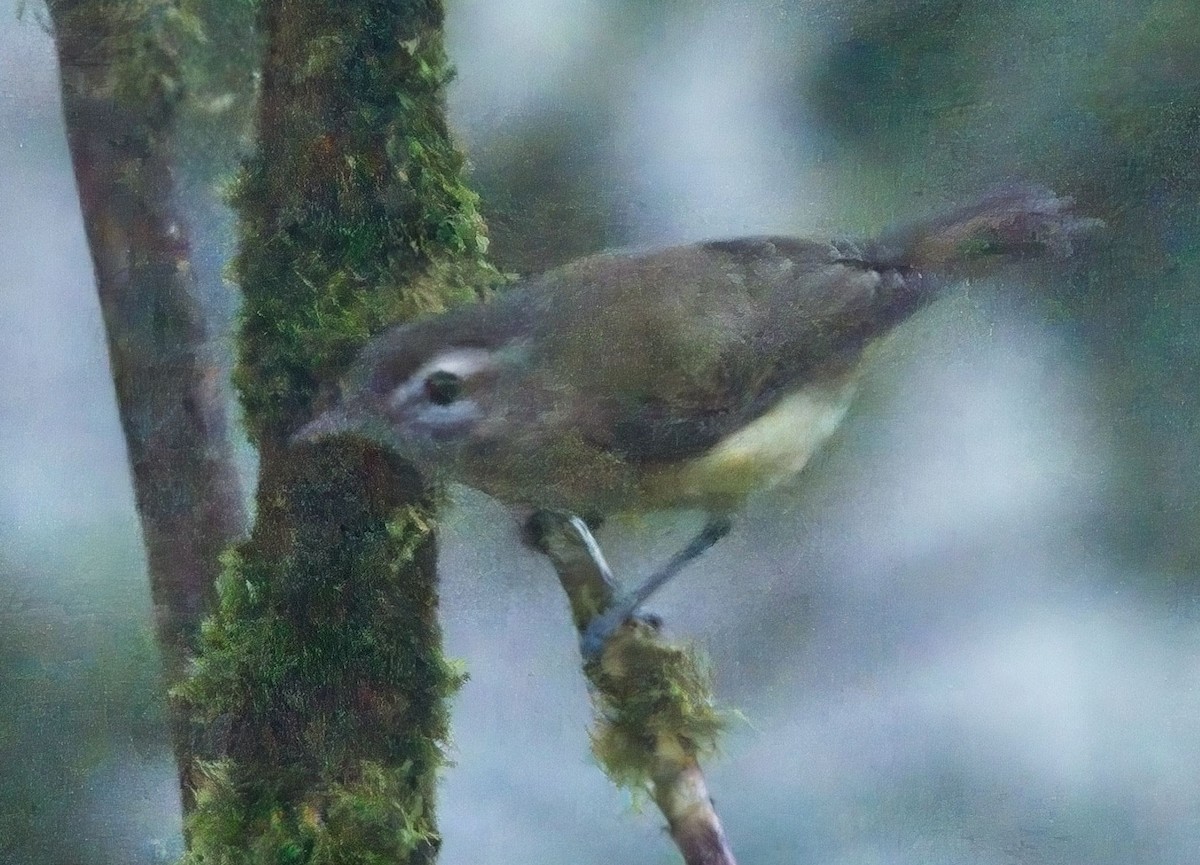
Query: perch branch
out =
(653, 700)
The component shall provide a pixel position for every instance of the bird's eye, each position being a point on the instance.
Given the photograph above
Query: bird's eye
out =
(443, 387)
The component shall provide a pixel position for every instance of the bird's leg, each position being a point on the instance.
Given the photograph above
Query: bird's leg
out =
(585, 575)
(625, 605)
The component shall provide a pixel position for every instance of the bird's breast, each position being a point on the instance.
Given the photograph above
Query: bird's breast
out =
(769, 450)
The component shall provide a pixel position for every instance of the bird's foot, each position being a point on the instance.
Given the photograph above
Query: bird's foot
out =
(602, 627)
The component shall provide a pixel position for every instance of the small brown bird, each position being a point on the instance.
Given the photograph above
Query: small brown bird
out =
(686, 377)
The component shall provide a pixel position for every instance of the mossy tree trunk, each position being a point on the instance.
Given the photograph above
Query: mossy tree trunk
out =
(322, 671)
(121, 86)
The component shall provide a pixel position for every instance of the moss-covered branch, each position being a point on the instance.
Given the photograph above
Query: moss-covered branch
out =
(655, 712)
(354, 211)
(322, 674)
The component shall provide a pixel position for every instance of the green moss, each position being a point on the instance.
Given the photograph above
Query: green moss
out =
(322, 683)
(651, 696)
(146, 45)
(321, 674)
(158, 52)
(378, 818)
(366, 202)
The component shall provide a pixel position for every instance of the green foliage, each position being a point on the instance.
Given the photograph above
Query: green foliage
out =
(900, 69)
(188, 60)
(138, 42)
(1151, 103)
(219, 69)
(651, 696)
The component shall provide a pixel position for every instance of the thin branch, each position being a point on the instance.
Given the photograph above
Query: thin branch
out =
(653, 699)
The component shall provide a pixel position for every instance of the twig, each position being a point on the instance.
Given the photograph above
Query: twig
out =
(653, 700)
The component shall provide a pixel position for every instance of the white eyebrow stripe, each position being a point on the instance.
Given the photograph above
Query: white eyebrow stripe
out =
(462, 362)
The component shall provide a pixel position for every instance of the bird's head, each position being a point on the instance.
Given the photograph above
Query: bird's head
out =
(426, 391)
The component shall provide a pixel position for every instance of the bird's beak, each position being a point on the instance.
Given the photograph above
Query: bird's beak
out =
(341, 418)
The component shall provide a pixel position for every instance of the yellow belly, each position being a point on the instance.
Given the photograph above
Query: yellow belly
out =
(768, 451)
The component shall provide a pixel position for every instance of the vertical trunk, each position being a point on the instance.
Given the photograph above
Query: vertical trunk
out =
(120, 116)
(323, 667)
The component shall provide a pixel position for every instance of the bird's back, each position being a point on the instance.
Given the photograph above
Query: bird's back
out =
(668, 353)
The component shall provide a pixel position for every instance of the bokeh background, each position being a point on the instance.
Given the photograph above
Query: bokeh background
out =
(969, 635)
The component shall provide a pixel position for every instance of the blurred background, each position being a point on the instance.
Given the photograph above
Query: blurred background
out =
(970, 634)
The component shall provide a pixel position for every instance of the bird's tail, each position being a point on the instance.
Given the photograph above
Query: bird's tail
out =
(1015, 224)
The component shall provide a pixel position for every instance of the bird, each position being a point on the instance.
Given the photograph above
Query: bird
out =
(680, 378)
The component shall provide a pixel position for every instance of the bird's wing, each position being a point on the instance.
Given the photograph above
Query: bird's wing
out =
(725, 330)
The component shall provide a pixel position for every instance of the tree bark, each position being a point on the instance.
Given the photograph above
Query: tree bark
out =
(323, 671)
(120, 120)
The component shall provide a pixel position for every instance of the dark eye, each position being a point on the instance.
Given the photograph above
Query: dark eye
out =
(443, 387)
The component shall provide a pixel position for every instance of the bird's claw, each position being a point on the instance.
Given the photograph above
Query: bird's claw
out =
(602, 627)
(600, 630)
